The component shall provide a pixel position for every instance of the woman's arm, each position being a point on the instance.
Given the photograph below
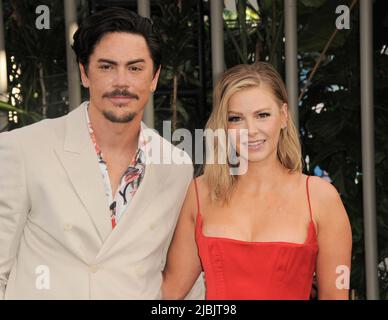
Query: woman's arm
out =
(183, 265)
(334, 241)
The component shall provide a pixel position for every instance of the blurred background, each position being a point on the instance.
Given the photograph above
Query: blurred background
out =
(322, 65)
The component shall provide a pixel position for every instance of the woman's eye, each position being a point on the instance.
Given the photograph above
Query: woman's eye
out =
(263, 115)
(234, 119)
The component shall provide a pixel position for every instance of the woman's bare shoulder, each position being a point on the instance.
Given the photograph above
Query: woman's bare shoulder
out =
(323, 190)
(326, 201)
(202, 185)
(203, 191)
(195, 196)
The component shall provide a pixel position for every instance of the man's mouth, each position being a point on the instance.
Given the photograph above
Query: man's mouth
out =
(120, 99)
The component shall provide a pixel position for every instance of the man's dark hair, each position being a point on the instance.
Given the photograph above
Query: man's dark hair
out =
(114, 19)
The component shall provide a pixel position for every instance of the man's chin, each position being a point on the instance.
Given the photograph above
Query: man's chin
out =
(119, 118)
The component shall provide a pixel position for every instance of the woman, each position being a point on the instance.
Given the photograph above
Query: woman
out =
(261, 234)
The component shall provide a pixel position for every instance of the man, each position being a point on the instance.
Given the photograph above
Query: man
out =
(83, 212)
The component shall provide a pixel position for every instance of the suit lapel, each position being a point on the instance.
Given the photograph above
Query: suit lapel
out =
(150, 187)
(79, 159)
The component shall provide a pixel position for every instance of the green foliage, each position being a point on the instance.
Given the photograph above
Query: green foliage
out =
(36, 60)
(317, 27)
(257, 38)
(332, 137)
(177, 22)
(313, 3)
(31, 114)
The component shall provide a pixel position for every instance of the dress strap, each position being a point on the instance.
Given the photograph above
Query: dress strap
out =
(196, 194)
(308, 197)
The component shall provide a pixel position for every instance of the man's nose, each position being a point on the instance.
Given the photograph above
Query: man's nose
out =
(121, 78)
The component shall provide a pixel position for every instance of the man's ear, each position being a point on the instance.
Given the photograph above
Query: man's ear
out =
(154, 82)
(84, 76)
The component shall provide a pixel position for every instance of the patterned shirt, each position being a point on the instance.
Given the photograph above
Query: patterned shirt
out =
(130, 180)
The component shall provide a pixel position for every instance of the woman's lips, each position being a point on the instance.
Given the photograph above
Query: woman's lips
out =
(254, 145)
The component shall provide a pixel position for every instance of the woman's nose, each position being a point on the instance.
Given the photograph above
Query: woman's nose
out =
(252, 127)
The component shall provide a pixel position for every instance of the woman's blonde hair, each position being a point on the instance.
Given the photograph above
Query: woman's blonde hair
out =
(240, 77)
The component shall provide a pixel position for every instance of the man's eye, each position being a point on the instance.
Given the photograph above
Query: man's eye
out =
(234, 119)
(105, 67)
(134, 68)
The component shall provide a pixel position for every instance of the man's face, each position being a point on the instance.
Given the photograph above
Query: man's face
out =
(120, 76)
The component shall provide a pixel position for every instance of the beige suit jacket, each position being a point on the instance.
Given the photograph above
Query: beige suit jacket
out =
(56, 240)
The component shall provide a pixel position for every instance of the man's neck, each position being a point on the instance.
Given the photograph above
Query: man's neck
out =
(116, 138)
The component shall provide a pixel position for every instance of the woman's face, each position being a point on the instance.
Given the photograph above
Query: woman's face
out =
(257, 110)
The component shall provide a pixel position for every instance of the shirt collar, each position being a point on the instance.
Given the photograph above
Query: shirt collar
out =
(141, 152)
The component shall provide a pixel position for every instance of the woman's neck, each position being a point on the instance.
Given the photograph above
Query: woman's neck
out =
(262, 177)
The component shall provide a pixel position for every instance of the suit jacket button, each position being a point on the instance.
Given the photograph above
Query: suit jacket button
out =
(68, 227)
(93, 268)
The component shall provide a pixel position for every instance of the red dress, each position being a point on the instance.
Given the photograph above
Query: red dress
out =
(242, 270)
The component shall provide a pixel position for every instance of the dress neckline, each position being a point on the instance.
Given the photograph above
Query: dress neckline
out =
(257, 243)
(311, 227)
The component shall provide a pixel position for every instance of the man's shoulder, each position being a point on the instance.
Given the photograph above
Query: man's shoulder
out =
(40, 132)
(44, 130)
(42, 125)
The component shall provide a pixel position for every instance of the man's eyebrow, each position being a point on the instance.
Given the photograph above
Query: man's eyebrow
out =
(103, 60)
